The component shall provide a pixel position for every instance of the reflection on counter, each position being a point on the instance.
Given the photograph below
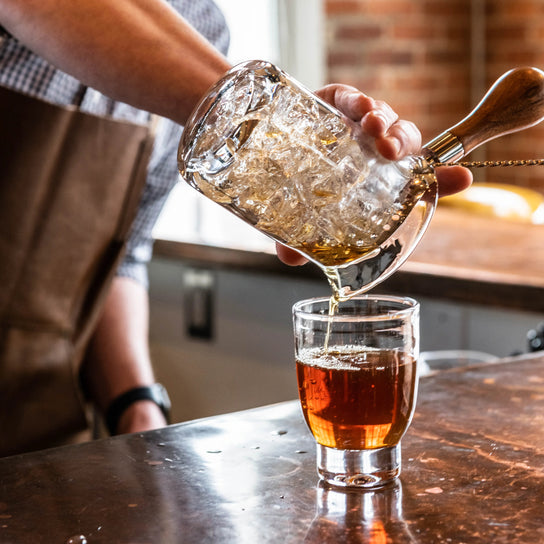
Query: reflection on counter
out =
(359, 516)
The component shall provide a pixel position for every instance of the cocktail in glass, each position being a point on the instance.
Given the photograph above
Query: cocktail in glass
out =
(357, 380)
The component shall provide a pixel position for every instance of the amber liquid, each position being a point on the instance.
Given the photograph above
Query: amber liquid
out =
(357, 399)
(331, 255)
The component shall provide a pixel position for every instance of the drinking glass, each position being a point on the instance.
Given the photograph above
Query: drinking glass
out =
(357, 380)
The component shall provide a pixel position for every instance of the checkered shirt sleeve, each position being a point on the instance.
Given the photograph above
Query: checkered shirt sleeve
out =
(22, 70)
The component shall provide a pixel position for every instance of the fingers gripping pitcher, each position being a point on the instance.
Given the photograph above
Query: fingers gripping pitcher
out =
(292, 166)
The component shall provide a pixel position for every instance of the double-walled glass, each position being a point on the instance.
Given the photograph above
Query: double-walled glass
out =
(357, 380)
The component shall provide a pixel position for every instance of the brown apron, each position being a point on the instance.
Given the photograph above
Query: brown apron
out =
(70, 183)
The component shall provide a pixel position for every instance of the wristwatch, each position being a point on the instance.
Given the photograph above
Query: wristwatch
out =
(156, 393)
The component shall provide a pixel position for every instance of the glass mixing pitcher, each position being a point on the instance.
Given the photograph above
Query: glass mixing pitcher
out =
(273, 153)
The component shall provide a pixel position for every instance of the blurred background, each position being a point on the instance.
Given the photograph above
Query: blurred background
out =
(221, 335)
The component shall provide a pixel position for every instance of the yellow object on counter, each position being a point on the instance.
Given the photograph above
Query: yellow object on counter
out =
(500, 200)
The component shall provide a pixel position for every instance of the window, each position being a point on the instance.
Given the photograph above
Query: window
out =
(286, 32)
(253, 29)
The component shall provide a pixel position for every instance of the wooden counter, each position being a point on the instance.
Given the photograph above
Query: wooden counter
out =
(472, 473)
(462, 257)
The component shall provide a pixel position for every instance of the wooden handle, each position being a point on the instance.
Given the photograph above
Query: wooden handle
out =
(514, 102)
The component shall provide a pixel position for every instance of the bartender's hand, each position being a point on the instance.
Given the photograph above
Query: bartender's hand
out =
(394, 137)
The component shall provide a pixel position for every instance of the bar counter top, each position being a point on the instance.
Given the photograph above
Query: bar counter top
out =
(462, 257)
(473, 472)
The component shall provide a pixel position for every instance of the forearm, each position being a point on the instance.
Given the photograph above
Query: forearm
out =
(118, 356)
(137, 51)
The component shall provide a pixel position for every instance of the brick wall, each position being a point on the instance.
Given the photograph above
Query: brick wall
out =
(420, 56)
(515, 37)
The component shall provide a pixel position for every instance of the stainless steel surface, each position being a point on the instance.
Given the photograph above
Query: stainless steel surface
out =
(446, 147)
(472, 472)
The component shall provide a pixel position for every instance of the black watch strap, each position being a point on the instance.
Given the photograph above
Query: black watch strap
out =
(155, 393)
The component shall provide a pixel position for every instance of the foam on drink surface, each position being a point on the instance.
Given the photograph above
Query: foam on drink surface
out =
(350, 357)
